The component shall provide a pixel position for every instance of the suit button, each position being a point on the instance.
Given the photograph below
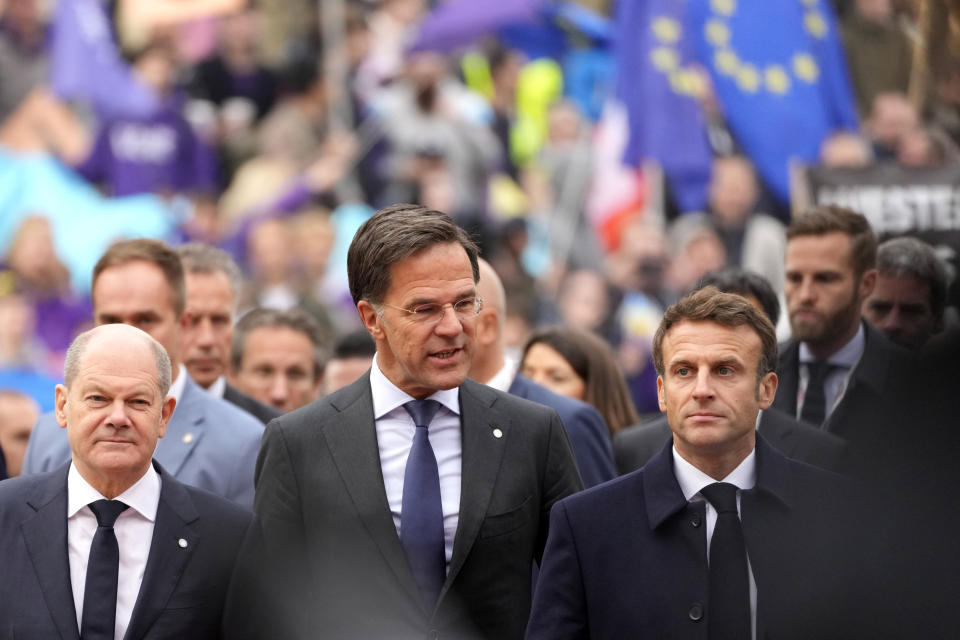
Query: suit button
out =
(433, 635)
(695, 520)
(696, 612)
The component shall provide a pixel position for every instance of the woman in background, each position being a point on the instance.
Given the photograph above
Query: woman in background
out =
(581, 365)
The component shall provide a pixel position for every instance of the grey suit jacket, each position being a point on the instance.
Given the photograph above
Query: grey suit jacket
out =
(209, 444)
(634, 446)
(185, 586)
(331, 539)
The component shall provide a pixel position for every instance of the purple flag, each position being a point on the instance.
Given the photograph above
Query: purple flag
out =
(86, 65)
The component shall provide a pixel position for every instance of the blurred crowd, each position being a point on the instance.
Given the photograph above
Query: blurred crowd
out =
(276, 128)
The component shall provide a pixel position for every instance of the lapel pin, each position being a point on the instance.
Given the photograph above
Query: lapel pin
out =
(187, 438)
(182, 542)
(497, 433)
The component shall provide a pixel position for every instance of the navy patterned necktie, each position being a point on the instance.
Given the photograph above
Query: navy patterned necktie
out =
(100, 592)
(728, 611)
(421, 512)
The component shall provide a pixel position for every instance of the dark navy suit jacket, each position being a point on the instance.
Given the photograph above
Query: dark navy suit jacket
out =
(628, 559)
(586, 429)
(185, 586)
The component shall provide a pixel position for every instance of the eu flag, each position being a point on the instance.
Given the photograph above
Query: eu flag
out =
(780, 75)
(658, 86)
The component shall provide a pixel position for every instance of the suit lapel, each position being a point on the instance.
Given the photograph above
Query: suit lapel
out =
(168, 554)
(185, 429)
(45, 535)
(482, 454)
(352, 441)
(868, 377)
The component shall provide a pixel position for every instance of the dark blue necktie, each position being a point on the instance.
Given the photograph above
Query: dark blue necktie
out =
(100, 593)
(728, 613)
(421, 513)
(814, 409)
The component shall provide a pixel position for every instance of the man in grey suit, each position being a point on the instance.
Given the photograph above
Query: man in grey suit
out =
(210, 443)
(381, 520)
(109, 545)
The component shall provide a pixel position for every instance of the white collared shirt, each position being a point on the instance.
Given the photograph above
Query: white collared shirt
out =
(177, 386)
(502, 380)
(744, 477)
(218, 388)
(835, 384)
(395, 429)
(134, 531)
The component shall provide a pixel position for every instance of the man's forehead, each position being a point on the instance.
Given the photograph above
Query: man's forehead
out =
(690, 336)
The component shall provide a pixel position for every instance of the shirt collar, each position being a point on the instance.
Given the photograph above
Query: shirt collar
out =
(502, 380)
(387, 396)
(143, 496)
(176, 389)
(218, 387)
(847, 356)
(692, 480)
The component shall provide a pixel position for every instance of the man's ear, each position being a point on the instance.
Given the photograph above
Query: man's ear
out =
(487, 327)
(661, 395)
(867, 283)
(767, 389)
(60, 404)
(371, 319)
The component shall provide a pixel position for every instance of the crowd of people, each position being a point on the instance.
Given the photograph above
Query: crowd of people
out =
(242, 213)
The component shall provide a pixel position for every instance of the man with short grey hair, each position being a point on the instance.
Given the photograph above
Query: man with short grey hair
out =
(908, 300)
(214, 284)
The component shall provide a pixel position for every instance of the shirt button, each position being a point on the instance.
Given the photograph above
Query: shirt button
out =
(695, 520)
(433, 635)
(696, 612)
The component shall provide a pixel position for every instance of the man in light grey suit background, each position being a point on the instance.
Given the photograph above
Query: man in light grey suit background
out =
(383, 522)
(210, 443)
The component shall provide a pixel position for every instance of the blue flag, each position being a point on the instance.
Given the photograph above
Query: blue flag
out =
(658, 85)
(779, 73)
(85, 63)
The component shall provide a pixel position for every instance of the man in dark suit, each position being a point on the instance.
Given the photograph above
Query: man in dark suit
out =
(836, 371)
(110, 545)
(214, 282)
(719, 535)
(383, 521)
(210, 443)
(586, 428)
(634, 446)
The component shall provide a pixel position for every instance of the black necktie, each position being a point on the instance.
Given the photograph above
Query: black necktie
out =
(815, 398)
(100, 592)
(421, 513)
(728, 612)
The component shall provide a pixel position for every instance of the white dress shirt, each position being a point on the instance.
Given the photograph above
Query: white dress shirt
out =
(691, 480)
(134, 531)
(176, 387)
(835, 384)
(502, 380)
(218, 388)
(395, 429)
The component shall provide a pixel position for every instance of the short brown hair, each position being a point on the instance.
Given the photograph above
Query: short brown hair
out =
(393, 234)
(728, 309)
(154, 252)
(831, 218)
